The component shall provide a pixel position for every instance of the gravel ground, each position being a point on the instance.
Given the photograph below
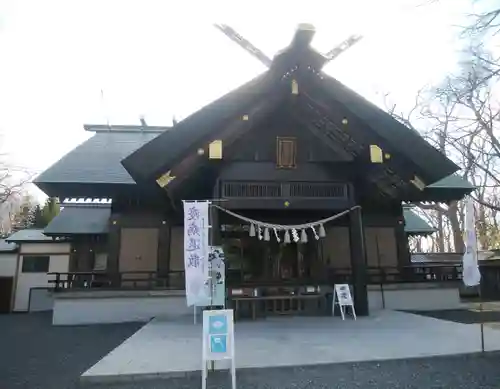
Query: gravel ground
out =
(34, 354)
(430, 373)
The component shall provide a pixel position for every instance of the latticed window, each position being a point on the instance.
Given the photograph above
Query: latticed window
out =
(286, 152)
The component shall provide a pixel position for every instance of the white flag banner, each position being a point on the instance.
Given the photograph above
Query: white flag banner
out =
(471, 274)
(196, 250)
(218, 274)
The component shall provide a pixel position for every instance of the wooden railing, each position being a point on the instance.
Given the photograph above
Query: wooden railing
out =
(145, 280)
(276, 190)
(426, 273)
(405, 274)
(175, 280)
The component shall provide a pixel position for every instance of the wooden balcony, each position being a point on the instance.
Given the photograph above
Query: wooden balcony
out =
(296, 195)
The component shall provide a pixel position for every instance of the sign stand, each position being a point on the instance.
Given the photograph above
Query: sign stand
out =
(342, 297)
(218, 342)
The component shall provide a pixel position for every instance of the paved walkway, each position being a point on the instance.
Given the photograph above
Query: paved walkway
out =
(166, 348)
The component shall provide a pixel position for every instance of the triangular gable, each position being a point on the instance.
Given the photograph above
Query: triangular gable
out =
(163, 153)
(409, 142)
(155, 157)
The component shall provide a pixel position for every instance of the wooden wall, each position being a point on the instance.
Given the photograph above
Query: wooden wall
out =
(385, 245)
(150, 229)
(259, 145)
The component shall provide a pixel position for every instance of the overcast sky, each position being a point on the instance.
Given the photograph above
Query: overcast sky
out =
(164, 58)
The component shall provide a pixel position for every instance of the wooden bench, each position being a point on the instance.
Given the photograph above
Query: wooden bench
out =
(275, 304)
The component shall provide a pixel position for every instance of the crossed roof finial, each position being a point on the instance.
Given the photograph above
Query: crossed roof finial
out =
(300, 42)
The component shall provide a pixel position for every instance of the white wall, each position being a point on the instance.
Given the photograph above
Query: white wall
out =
(8, 262)
(59, 262)
(45, 248)
(421, 299)
(76, 311)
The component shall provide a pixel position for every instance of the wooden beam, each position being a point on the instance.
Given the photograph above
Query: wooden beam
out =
(336, 147)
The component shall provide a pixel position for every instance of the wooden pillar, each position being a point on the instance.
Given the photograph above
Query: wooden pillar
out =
(114, 238)
(216, 239)
(73, 256)
(358, 262)
(402, 246)
(164, 249)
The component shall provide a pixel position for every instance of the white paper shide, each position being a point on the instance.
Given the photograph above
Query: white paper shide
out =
(471, 274)
(196, 252)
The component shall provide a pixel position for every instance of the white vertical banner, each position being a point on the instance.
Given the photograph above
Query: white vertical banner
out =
(218, 275)
(196, 249)
(470, 274)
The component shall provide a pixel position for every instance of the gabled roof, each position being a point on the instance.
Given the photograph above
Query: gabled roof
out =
(6, 247)
(163, 153)
(153, 158)
(97, 160)
(29, 236)
(453, 181)
(400, 137)
(77, 219)
(452, 187)
(415, 225)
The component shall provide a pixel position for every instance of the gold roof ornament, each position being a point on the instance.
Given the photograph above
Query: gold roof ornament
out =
(165, 179)
(215, 149)
(376, 154)
(418, 183)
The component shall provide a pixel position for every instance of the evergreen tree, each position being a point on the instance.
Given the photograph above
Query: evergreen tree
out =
(38, 220)
(50, 210)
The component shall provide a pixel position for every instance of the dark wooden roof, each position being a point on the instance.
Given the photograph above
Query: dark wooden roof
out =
(98, 159)
(452, 187)
(164, 152)
(94, 168)
(78, 219)
(151, 159)
(30, 236)
(6, 247)
(452, 181)
(389, 131)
